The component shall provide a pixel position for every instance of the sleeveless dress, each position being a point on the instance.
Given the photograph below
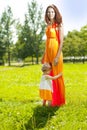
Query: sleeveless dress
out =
(46, 88)
(51, 50)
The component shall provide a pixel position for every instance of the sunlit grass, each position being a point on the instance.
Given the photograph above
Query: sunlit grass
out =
(20, 104)
(19, 82)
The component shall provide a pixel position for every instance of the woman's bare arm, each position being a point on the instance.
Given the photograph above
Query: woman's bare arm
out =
(61, 32)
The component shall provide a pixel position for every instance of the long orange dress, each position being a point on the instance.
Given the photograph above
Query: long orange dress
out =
(51, 50)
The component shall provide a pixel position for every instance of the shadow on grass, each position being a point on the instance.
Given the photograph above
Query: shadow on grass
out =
(40, 117)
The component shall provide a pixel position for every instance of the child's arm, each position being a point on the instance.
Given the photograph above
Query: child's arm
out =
(53, 77)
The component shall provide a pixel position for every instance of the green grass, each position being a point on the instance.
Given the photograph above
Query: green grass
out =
(21, 107)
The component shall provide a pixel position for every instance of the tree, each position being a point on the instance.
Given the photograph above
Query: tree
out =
(83, 36)
(83, 45)
(37, 25)
(75, 43)
(71, 43)
(32, 32)
(2, 46)
(7, 24)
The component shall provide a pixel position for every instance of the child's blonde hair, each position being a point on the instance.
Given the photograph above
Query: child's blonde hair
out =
(46, 66)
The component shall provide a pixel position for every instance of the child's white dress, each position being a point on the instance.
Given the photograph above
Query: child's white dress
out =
(46, 88)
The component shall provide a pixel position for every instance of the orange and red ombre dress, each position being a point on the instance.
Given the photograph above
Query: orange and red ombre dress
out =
(51, 50)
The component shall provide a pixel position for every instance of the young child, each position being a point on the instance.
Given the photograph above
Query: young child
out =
(46, 84)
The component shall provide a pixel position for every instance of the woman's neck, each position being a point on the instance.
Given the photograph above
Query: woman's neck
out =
(52, 21)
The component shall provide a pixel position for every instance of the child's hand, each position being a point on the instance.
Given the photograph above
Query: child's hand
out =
(60, 74)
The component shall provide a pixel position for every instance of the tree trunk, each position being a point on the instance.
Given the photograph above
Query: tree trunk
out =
(9, 63)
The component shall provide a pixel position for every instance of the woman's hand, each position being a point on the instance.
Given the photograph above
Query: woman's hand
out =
(55, 61)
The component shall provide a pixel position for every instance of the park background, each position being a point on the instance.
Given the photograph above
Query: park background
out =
(21, 47)
(22, 30)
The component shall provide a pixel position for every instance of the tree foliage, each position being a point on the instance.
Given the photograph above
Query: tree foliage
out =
(6, 27)
(2, 45)
(75, 43)
(31, 34)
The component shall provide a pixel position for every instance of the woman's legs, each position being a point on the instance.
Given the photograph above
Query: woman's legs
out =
(58, 97)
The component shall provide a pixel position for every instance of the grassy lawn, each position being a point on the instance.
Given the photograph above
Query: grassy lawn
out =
(20, 104)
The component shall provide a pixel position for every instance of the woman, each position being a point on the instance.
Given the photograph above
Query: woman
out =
(53, 52)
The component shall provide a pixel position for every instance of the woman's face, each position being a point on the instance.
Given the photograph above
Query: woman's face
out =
(51, 13)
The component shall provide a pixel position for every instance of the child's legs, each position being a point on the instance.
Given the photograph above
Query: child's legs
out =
(49, 102)
(44, 102)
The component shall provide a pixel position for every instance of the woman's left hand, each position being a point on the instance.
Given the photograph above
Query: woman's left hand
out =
(55, 61)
